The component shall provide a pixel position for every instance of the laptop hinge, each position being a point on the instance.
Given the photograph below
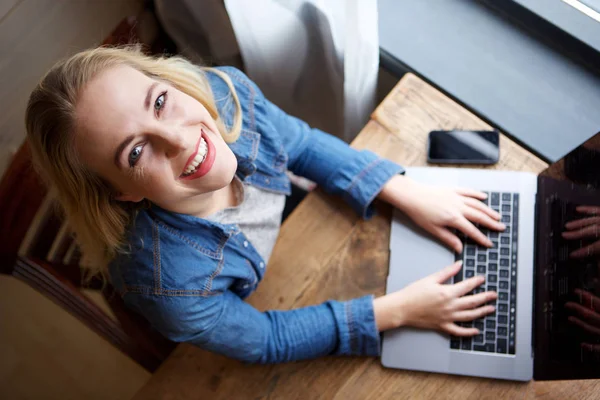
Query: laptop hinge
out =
(535, 263)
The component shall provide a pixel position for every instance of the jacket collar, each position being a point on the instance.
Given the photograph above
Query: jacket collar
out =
(206, 236)
(245, 149)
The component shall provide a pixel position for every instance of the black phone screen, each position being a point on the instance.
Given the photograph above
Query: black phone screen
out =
(472, 147)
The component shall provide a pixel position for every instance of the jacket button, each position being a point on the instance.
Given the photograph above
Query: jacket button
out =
(262, 264)
(246, 286)
(245, 243)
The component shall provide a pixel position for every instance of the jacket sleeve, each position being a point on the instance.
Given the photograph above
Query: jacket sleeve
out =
(225, 324)
(357, 176)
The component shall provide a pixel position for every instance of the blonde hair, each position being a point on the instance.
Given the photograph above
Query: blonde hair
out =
(98, 220)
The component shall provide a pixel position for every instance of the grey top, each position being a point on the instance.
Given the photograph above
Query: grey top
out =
(258, 214)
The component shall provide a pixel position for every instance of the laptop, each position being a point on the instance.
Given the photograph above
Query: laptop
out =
(532, 333)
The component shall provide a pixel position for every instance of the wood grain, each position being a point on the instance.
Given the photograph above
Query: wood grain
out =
(414, 108)
(325, 251)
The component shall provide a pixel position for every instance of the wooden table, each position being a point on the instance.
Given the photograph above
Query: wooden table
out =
(325, 251)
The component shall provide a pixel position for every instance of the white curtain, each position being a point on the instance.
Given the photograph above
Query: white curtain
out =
(316, 59)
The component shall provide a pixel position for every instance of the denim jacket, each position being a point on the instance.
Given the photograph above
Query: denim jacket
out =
(188, 276)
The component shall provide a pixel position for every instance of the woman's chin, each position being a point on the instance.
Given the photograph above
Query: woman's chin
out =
(217, 179)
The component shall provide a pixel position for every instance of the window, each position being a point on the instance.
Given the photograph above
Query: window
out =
(579, 19)
(591, 8)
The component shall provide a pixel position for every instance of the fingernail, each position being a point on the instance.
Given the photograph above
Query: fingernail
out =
(502, 226)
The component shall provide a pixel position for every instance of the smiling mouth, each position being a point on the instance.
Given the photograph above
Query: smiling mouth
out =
(196, 159)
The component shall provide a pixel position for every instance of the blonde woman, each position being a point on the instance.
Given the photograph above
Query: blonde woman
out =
(174, 179)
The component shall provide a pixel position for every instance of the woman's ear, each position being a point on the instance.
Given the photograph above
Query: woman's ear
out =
(128, 197)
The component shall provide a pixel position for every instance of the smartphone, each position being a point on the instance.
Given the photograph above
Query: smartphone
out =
(463, 147)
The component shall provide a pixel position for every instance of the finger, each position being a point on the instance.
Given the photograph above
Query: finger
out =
(584, 325)
(447, 273)
(480, 218)
(585, 313)
(586, 251)
(481, 207)
(471, 231)
(449, 238)
(471, 193)
(588, 209)
(580, 223)
(463, 287)
(588, 231)
(587, 299)
(475, 300)
(592, 348)
(470, 315)
(456, 330)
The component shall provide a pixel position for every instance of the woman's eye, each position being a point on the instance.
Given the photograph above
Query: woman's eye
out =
(135, 154)
(160, 101)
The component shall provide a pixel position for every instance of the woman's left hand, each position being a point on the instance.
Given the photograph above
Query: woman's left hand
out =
(437, 210)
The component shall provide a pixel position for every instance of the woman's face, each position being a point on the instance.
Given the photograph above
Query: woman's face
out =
(150, 140)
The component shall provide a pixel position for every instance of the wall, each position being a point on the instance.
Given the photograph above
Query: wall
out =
(33, 35)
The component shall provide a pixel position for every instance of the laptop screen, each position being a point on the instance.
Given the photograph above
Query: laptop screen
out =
(567, 281)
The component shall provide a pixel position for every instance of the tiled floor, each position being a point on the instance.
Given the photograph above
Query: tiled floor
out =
(48, 354)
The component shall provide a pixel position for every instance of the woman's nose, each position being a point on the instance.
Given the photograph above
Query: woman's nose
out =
(174, 144)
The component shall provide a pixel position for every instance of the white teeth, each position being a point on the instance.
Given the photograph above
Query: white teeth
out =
(200, 156)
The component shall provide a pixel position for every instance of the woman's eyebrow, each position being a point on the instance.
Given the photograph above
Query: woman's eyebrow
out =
(129, 138)
(149, 95)
(120, 149)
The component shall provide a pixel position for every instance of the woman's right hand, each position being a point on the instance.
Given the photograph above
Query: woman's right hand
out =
(587, 228)
(431, 304)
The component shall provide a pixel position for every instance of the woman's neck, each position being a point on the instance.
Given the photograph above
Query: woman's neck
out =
(208, 203)
(222, 199)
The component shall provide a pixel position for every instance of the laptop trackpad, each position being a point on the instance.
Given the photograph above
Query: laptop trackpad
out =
(414, 254)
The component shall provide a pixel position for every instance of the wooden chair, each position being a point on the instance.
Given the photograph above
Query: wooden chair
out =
(37, 247)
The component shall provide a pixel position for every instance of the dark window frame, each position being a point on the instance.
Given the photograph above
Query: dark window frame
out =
(557, 23)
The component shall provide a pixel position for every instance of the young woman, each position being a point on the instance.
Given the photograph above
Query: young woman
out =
(173, 177)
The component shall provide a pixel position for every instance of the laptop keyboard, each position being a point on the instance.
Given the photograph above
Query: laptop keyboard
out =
(499, 265)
